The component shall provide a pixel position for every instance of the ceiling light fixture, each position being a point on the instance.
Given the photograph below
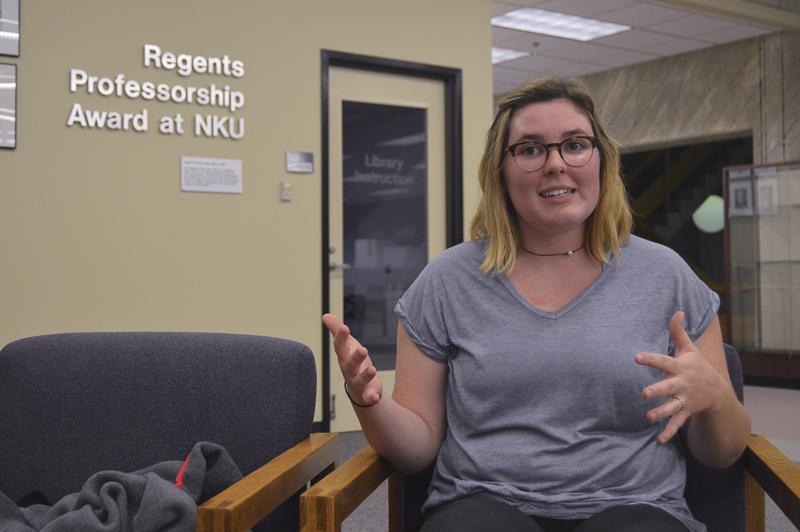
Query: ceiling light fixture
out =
(500, 55)
(557, 24)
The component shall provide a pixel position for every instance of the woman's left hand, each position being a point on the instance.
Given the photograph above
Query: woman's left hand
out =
(692, 384)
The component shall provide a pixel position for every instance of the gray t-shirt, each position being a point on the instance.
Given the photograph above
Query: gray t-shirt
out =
(544, 409)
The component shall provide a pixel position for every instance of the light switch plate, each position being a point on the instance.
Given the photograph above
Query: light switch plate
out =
(286, 192)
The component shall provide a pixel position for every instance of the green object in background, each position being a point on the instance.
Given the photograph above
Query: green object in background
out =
(710, 215)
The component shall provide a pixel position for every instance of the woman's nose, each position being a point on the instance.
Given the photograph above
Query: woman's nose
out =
(554, 163)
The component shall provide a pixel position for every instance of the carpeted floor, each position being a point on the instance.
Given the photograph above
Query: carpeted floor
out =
(373, 514)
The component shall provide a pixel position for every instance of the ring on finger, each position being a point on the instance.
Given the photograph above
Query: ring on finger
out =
(680, 401)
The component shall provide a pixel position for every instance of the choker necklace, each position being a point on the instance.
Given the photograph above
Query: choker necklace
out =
(567, 253)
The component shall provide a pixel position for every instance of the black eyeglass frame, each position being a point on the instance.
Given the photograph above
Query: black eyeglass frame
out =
(548, 147)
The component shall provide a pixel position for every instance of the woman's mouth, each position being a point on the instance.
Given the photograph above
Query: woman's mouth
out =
(556, 192)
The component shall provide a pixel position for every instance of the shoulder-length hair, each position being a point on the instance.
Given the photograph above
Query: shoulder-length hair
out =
(608, 227)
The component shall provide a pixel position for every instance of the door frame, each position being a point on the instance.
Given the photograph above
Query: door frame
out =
(454, 168)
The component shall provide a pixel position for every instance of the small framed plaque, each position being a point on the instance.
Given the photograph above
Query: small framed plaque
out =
(8, 106)
(9, 27)
(741, 198)
(767, 195)
(202, 174)
(299, 162)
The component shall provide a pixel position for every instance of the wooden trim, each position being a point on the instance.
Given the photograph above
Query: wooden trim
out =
(396, 502)
(781, 368)
(761, 165)
(325, 505)
(320, 515)
(754, 501)
(776, 474)
(744, 10)
(325, 255)
(726, 259)
(251, 499)
(454, 164)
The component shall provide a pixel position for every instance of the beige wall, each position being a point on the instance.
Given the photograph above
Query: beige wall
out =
(94, 231)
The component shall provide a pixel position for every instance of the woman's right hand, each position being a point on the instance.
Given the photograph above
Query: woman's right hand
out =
(360, 375)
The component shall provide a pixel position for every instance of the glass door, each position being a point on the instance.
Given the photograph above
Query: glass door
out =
(384, 215)
(386, 205)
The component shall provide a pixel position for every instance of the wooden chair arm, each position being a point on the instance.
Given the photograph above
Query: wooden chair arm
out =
(778, 476)
(251, 499)
(325, 505)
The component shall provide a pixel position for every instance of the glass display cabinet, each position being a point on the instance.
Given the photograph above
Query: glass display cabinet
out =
(762, 257)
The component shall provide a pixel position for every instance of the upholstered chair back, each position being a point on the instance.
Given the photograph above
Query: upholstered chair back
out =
(75, 404)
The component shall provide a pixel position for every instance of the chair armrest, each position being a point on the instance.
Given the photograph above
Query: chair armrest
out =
(324, 506)
(248, 501)
(778, 476)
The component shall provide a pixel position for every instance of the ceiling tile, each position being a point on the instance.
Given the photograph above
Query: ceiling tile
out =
(676, 46)
(557, 47)
(536, 41)
(658, 31)
(735, 33)
(500, 8)
(502, 87)
(510, 75)
(691, 26)
(580, 69)
(633, 39)
(536, 62)
(504, 35)
(579, 51)
(524, 3)
(583, 8)
(641, 15)
(625, 58)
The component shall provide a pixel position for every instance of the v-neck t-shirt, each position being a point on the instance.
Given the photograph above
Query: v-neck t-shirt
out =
(544, 409)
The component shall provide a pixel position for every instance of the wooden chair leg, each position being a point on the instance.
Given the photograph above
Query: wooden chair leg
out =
(320, 515)
(754, 494)
(395, 502)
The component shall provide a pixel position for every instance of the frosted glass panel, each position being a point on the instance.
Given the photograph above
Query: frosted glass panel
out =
(8, 106)
(385, 181)
(764, 248)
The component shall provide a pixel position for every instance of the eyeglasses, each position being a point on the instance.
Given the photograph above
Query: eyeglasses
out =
(531, 156)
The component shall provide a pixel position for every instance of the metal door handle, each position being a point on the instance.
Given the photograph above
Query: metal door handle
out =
(335, 266)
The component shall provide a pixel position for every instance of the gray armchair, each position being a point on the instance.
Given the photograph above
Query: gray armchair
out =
(726, 500)
(75, 404)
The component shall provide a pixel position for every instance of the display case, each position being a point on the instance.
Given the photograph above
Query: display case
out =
(762, 256)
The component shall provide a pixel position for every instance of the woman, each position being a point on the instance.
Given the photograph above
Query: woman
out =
(548, 364)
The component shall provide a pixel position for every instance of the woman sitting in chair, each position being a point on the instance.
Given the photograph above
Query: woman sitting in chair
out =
(549, 364)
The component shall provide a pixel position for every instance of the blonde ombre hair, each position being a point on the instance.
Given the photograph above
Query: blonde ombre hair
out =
(609, 226)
